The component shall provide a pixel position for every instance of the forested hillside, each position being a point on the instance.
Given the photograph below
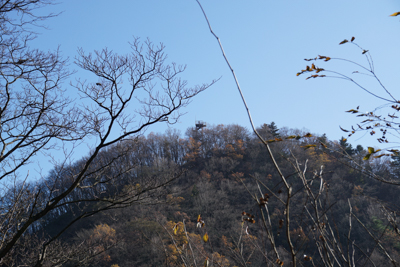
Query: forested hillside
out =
(111, 196)
(213, 210)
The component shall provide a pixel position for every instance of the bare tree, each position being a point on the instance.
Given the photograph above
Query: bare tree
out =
(312, 220)
(128, 94)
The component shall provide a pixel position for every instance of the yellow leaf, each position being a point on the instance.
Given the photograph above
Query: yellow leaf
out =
(205, 237)
(367, 157)
(395, 14)
(206, 262)
(371, 150)
(308, 146)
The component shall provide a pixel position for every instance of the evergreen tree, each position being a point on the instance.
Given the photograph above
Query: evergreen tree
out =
(268, 131)
(346, 147)
(273, 129)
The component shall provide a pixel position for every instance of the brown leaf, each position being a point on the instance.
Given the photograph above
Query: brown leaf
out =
(249, 220)
(343, 42)
(247, 214)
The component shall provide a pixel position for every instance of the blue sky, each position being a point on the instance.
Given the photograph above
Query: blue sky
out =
(266, 43)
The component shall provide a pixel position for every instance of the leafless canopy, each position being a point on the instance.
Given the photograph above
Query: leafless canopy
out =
(125, 95)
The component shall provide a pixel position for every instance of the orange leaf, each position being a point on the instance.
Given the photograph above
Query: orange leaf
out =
(307, 258)
(395, 14)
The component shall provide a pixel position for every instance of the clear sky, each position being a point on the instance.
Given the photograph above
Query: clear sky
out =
(266, 43)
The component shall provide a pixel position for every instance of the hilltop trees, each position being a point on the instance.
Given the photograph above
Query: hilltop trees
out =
(38, 115)
(216, 186)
